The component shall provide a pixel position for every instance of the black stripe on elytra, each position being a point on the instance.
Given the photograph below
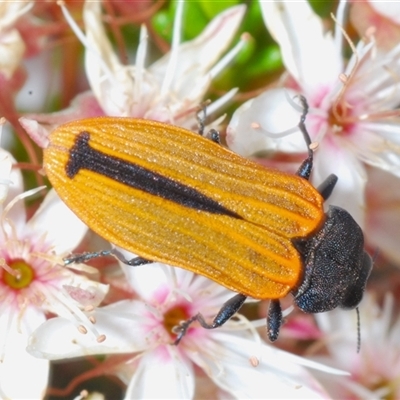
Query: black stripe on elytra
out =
(82, 156)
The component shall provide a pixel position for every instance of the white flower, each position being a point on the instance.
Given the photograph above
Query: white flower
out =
(375, 370)
(235, 359)
(353, 113)
(33, 281)
(171, 89)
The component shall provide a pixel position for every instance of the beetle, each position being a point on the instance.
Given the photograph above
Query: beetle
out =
(170, 195)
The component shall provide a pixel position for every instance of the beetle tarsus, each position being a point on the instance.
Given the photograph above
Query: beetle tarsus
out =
(274, 319)
(227, 311)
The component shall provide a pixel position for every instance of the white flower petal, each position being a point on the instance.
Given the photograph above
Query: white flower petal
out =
(276, 375)
(378, 144)
(10, 11)
(334, 158)
(60, 225)
(149, 279)
(21, 375)
(383, 212)
(6, 161)
(12, 48)
(254, 124)
(108, 78)
(145, 279)
(122, 323)
(12, 186)
(162, 374)
(309, 53)
(193, 59)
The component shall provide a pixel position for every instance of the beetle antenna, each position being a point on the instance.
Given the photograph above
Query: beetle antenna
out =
(306, 166)
(358, 330)
(302, 125)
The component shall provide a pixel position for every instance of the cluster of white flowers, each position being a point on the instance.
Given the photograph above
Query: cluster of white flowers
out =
(51, 312)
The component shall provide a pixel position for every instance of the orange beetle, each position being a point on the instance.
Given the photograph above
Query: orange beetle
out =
(173, 196)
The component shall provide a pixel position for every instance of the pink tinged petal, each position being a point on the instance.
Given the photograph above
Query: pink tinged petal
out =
(21, 375)
(257, 125)
(84, 292)
(146, 279)
(302, 37)
(61, 227)
(247, 369)
(383, 213)
(39, 126)
(193, 59)
(390, 10)
(382, 16)
(37, 133)
(301, 327)
(162, 374)
(333, 157)
(162, 284)
(127, 327)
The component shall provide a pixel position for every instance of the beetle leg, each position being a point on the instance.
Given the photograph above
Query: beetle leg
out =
(274, 319)
(84, 257)
(213, 134)
(227, 311)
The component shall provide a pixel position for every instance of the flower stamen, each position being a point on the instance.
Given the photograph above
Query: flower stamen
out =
(101, 338)
(82, 329)
(7, 268)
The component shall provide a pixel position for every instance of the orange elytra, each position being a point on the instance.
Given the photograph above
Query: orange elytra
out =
(240, 239)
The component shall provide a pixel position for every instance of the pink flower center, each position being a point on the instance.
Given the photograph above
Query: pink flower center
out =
(341, 118)
(173, 317)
